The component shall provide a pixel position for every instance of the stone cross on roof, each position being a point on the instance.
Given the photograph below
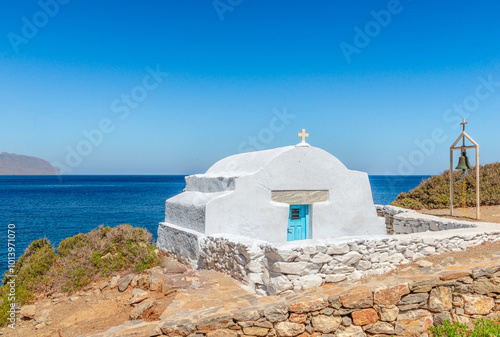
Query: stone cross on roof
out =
(303, 135)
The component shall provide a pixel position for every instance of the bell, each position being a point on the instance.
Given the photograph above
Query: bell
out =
(463, 162)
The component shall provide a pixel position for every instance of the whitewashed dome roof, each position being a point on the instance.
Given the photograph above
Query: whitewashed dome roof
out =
(252, 162)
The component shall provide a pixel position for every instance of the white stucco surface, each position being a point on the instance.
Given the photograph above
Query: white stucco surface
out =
(234, 196)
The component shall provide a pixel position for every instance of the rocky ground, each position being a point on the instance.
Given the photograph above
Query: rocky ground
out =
(127, 297)
(176, 291)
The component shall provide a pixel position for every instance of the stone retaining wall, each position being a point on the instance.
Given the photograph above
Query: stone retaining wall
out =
(270, 269)
(400, 308)
(404, 221)
(274, 269)
(403, 308)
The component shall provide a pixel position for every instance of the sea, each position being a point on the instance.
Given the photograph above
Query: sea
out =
(57, 207)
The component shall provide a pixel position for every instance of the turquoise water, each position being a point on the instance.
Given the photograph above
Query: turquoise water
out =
(57, 207)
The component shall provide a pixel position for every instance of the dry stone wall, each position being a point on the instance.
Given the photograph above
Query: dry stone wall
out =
(405, 221)
(274, 268)
(399, 308)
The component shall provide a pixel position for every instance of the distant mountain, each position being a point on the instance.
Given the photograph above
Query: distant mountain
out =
(11, 163)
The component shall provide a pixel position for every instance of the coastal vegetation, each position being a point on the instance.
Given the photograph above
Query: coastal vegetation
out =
(433, 193)
(481, 328)
(79, 260)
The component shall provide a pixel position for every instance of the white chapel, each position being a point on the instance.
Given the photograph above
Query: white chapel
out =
(285, 194)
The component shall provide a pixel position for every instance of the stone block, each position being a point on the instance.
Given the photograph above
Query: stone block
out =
(483, 271)
(321, 258)
(176, 328)
(125, 282)
(484, 286)
(335, 278)
(326, 324)
(363, 265)
(414, 298)
(388, 313)
(246, 315)
(296, 268)
(218, 321)
(357, 298)
(222, 333)
(440, 299)
(298, 318)
(276, 312)
(414, 323)
(255, 331)
(364, 317)
(440, 317)
(477, 304)
(381, 328)
(279, 284)
(289, 329)
(351, 258)
(390, 294)
(310, 281)
(351, 331)
(308, 304)
(339, 249)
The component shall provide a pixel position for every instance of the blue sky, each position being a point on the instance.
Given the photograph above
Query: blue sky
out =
(170, 87)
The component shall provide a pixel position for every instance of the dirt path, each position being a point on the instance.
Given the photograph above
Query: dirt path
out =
(488, 213)
(93, 310)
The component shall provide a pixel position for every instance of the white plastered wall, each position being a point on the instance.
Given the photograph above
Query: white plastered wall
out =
(249, 211)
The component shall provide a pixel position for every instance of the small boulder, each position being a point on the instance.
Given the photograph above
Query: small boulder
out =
(125, 281)
(139, 310)
(28, 311)
(58, 295)
(143, 282)
(138, 295)
(174, 267)
(155, 277)
(42, 316)
(135, 281)
(114, 282)
(166, 288)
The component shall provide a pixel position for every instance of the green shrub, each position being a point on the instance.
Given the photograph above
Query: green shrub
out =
(29, 274)
(79, 260)
(22, 296)
(84, 257)
(434, 192)
(32, 266)
(482, 328)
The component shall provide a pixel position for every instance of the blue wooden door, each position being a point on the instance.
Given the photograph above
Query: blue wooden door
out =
(297, 222)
